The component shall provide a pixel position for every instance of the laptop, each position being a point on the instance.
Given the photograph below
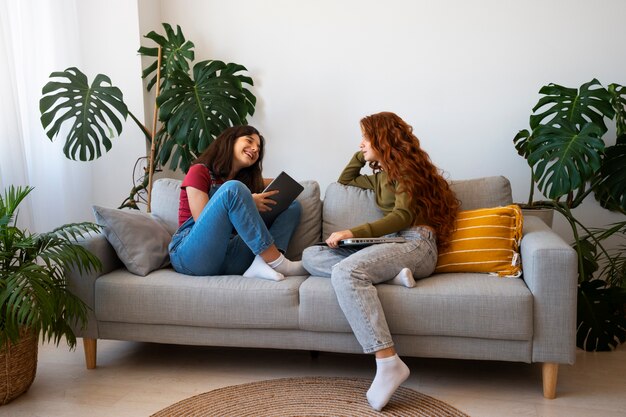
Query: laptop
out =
(288, 189)
(366, 241)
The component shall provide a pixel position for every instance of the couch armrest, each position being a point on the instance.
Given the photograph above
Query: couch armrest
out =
(550, 270)
(83, 285)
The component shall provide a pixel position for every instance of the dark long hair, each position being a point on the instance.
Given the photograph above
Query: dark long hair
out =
(218, 157)
(410, 167)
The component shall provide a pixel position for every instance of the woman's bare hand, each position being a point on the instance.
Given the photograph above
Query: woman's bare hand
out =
(263, 201)
(334, 238)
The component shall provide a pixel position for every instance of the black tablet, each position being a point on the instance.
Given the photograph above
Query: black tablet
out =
(288, 189)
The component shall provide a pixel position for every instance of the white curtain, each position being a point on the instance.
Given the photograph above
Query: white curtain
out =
(38, 37)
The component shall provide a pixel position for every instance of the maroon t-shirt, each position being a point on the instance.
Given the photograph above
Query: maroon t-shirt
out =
(197, 177)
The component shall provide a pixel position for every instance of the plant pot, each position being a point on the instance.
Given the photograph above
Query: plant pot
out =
(18, 364)
(545, 214)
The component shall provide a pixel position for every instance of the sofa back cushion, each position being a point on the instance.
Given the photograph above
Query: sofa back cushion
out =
(164, 202)
(346, 206)
(166, 194)
(309, 230)
(482, 192)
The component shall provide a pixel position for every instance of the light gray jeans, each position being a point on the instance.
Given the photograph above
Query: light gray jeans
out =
(353, 273)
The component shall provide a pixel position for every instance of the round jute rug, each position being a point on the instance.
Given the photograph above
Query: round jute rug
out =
(311, 396)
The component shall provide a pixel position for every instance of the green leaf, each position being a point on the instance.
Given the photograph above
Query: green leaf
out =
(9, 202)
(93, 112)
(600, 317)
(612, 260)
(564, 158)
(521, 142)
(588, 252)
(611, 191)
(591, 103)
(618, 101)
(33, 275)
(196, 110)
(177, 54)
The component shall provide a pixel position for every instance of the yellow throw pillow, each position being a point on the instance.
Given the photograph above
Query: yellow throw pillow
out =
(485, 240)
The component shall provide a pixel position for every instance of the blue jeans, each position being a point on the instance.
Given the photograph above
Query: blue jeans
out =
(354, 272)
(208, 247)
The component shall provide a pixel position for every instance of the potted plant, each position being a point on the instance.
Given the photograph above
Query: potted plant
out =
(196, 103)
(569, 160)
(34, 298)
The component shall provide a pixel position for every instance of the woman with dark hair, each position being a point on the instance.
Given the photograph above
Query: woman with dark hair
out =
(222, 192)
(418, 205)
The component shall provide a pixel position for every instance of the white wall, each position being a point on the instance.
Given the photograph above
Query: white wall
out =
(109, 39)
(464, 74)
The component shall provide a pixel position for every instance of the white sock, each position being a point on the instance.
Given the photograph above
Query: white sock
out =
(288, 268)
(260, 269)
(391, 372)
(404, 277)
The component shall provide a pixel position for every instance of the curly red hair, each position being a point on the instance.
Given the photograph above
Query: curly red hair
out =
(406, 163)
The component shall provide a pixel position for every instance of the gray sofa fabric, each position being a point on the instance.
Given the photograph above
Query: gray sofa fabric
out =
(463, 316)
(476, 307)
(166, 297)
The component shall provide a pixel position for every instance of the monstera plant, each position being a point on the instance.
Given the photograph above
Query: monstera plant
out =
(196, 102)
(569, 160)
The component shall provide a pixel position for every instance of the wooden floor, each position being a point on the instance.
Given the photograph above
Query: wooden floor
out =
(138, 379)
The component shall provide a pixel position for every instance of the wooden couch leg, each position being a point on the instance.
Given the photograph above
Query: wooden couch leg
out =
(90, 346)
(549, 372)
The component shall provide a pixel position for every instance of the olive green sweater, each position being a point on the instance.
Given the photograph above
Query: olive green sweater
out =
(398, 215)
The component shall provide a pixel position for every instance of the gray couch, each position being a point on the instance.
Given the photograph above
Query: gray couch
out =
(456, 315)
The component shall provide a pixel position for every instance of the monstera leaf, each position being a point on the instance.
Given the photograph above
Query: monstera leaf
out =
(193, 109)
(563, 157)
(601, 320)
(521, 142)
(564, 147)
(197, 109)
(611, 192)
(618, 100)
(176, 54)
(93, 111)
(590, 103)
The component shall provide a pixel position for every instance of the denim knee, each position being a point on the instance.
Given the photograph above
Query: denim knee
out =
(345, 276)
(296, 207)
(234, 186)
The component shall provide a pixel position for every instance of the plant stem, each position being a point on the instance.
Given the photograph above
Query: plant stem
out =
(532, 189)
(144, 129)
(567, 213)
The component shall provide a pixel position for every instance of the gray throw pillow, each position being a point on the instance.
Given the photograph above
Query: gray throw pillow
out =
(139, 240)
(309, 230)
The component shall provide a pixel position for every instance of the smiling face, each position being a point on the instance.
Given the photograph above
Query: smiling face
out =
(246, 151)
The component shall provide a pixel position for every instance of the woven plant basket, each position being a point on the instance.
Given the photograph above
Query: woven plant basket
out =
(18, 364)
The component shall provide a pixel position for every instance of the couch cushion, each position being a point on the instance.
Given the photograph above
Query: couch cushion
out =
(482, 192)
(463, 305)
(139, 240)
(485, 240)
(166, 297)
(164, 202)
(310, 228)
(340, 201)
(347, 206)
(166, 194)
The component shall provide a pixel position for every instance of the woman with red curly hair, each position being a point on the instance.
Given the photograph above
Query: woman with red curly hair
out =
(418, 205)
